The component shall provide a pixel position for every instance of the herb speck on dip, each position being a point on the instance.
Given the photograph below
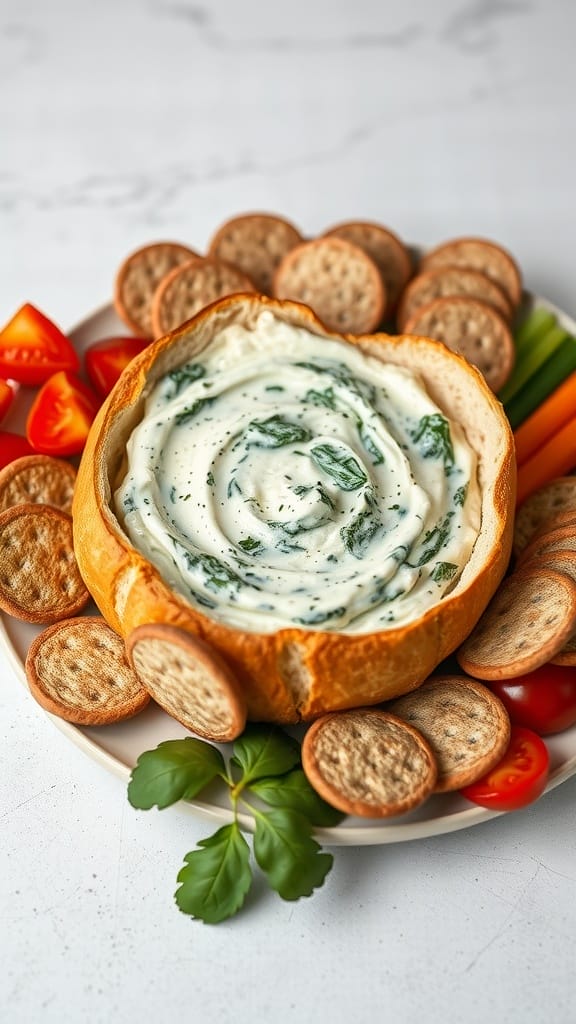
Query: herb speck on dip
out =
(281, 480)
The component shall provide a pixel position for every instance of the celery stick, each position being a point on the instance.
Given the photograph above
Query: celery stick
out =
(530, 360)
(542, 383)
(534, 327)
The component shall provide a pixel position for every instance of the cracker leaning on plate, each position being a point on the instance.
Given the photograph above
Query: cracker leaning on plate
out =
(557, 496)
(450, 282)
(368, 762)
(190, 287)
(466, 725)
(188, 679)
(337, 280)
(37, 479)
(528, 621)
(39, 578)
(137, 280)
(479, 254)
(255, 243)
(78, 670)
(389, 254)
(472, 328)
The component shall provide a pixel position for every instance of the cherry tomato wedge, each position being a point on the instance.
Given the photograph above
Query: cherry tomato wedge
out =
(543, 700)
(6, 397)
(32, 348)
(13, 446)
(61, 415)
(105, 360)
(518, 779)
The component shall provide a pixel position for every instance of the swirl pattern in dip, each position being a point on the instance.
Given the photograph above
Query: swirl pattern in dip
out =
(285, 480)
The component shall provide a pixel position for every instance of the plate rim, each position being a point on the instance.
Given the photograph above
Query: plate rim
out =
(385, 831)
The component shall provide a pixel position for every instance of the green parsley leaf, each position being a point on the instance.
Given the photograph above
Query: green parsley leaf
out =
(264, 750)
(292, 861)
(293, 791)
(216, 878)
(175, 770)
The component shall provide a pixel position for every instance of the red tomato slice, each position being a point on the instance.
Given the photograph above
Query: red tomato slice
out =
(32, 348)
(543, 700)
(13, 446)
(61, 415)
(518, 779)
(6, 398)
(105, 360)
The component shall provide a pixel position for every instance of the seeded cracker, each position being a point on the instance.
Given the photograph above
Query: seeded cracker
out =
(339, 282)
(189, 680)
(525, 625)
(137, 280)
(466, 725)
(449, 282)
(479, 254)
(37, 479)
(386, 250)
(557, 496)
(471, 328)
(562, 538)
(39, 577)
(191, 287)
(560, 560)
(256, 244)
(78, 670)
(368, 762)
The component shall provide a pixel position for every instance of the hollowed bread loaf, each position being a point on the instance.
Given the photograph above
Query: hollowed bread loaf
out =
(296, 673)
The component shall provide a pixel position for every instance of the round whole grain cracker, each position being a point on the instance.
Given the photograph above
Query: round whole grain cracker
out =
(78, 669)
(339, 282)
(192, 286)
(39, 578)
(37, 479)
(448, 282)
(560, 560)
(255, 243)
(479, 254)
(188, 679)
(473, 329)
(368, 762)
(561, 538)
(527, 622)
(137, 280)
(466, 725)
(558, 495)
(389, 254)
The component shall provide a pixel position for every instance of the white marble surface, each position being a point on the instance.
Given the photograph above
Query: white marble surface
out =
(126, 120)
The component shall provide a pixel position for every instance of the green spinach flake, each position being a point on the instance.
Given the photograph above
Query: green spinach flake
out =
(433, 436)
(275, 432)
(340, 466)
(460, 495)
(443, 572)
(191, 411)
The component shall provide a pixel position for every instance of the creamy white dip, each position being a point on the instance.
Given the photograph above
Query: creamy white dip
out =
(285, 480)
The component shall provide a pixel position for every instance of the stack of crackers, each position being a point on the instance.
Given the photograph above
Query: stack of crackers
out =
(357, 276)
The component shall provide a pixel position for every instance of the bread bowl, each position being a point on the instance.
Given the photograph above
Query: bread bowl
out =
(296, 672)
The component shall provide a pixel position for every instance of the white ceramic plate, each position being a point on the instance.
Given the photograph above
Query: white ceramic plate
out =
(117, 747)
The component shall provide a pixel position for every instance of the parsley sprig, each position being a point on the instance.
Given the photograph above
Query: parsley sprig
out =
(265, 764)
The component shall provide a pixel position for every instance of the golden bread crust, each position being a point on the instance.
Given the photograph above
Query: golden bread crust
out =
(296, 674)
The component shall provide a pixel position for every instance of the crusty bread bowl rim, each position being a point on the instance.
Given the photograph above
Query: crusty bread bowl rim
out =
(129, 591)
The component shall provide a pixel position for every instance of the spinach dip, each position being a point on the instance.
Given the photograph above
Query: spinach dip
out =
(284, 480)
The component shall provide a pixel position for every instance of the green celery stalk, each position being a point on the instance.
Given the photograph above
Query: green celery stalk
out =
(542, 383)
(531, 359)
(534, 327)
